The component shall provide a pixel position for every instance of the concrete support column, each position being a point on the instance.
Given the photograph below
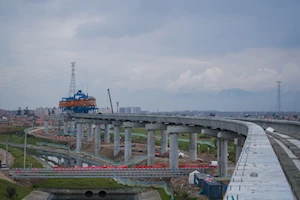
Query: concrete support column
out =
(173, 156)
(128, 126)
(106, 133)
(72, 126)
(127, 150)
(46, 125)
(173, 131)
(222, 157)
(79, 137)
(97, 139)
(66, 127)
(82, 131)
(116, 138)
(239, 142)
(90, 132)
(193, 146)
(78, 162)
(151, 140)
(72, 162)
(150, 147)
(164, 142)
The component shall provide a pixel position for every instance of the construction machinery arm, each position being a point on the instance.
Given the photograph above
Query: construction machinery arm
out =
(112, 110)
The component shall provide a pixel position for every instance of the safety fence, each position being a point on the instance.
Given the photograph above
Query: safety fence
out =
(154, 184)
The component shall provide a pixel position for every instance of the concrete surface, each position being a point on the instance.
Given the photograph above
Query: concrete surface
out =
(38, 195)
(150, 195)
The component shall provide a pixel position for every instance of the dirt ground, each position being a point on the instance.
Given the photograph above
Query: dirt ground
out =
(107, 149)
(11, 160)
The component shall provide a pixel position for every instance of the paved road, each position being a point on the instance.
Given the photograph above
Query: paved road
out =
(287, 149)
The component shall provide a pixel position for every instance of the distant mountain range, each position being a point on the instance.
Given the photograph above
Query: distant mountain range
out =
(226, 100)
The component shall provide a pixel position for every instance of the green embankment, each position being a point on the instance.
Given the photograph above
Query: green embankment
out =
(163, 194)
(20, 191)
(79, 183)
(19, 158)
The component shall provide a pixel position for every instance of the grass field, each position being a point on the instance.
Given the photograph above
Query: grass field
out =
(18, 137)
(19, 158)
(79, 183)
(21, 191)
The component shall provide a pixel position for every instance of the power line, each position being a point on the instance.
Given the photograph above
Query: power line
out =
(279, 103)
(32, 83)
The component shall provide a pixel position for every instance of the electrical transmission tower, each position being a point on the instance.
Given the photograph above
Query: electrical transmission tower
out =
(279, 105)
(72, 89)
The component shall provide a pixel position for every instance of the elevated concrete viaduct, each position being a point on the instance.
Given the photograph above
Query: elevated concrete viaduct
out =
(253, 177)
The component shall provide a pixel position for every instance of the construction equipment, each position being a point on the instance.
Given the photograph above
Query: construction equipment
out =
(79, 103)
(112, 110)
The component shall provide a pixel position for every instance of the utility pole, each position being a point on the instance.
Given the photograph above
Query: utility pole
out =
(6, 155)
(25, 149)
(279, 103)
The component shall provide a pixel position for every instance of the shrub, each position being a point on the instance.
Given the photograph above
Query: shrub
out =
(11, 191)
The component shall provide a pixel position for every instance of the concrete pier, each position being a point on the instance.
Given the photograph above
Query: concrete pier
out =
(128, 126)
(173, 131)
(164, 142)
(173, 157)
(150, 147)
(239, 142)
(97, 139)
(151, 140)
(106, 133)
(72, 126)
(117, 125)
(78, 162)
(72, 162)
(46, 125)
(90, 132)
(79, 137)
(222, 157)
(193, 146)
(127, 150)
(66, 127)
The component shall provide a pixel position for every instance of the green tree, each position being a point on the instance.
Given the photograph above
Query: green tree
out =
(11, 191)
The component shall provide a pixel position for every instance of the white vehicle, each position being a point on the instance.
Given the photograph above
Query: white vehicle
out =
(213, 163)
(180, 154)
(270, 129)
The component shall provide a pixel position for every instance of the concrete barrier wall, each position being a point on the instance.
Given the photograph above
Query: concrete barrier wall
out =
(289, 127)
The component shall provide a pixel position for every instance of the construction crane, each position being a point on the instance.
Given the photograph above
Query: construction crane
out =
(112, 110)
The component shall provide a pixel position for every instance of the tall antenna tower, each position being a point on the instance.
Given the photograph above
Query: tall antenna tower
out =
(72, 89)
(279, 104)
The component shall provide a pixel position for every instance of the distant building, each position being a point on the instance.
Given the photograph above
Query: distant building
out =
(105, 110)
(41, 112)
(132, 110)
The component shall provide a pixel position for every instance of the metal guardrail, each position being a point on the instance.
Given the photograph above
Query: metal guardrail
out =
(101, 173)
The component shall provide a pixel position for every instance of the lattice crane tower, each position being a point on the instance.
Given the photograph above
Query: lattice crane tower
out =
(72, 89)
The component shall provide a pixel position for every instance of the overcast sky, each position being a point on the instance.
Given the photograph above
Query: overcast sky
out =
(161, 49)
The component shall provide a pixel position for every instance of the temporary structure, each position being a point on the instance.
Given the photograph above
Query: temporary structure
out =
(191, 176)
